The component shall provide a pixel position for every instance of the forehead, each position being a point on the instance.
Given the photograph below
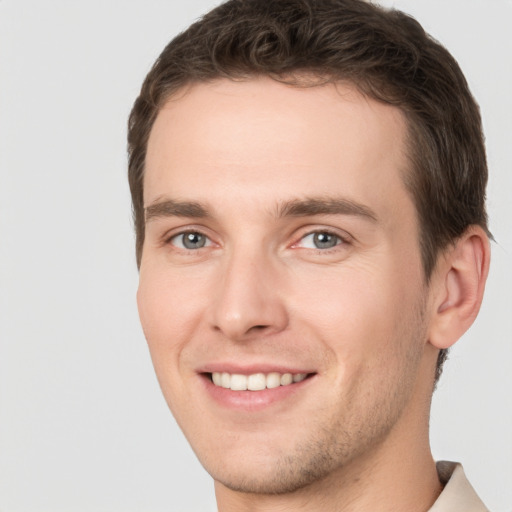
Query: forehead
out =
(271, 142)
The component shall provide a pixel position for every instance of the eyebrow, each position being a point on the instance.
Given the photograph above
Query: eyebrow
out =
(325, 206)
(294, 208)
(173, 208)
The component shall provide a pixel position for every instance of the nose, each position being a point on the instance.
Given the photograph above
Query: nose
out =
(249, 301)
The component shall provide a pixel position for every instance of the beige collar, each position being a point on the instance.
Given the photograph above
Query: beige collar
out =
(457, 495)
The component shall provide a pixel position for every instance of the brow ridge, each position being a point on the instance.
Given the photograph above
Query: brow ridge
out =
(173, 208)
(325, 206)
(310, 206)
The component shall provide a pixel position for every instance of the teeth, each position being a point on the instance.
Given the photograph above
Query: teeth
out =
(286, 378)
(238, 382)
(273, 380)
(256, 381)
(225, 380)
(217, 378)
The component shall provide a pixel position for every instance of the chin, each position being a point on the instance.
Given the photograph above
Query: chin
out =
(275, 474)
(270, 482)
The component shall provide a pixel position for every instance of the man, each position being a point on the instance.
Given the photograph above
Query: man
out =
(308, 181)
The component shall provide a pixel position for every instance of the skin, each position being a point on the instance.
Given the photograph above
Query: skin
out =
(231, 161)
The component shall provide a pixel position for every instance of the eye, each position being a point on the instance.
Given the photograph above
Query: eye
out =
(190, 240)
(320, 240)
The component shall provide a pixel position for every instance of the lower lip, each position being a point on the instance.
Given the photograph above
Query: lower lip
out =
(252, 401)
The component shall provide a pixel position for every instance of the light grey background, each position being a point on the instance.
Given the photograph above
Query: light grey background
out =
(82, 424)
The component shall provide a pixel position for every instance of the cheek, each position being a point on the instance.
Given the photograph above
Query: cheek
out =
(167, 305)
(349, 301)
(168, 318)
(169, 314)
(357, 314)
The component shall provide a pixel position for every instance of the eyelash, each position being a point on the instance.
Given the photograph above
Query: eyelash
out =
(340, 240)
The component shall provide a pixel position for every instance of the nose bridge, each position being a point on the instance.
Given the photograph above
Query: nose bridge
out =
(248, 297)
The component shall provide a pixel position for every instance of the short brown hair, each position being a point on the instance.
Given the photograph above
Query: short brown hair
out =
(385, 53)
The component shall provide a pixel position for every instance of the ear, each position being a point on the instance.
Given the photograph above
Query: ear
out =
(458, 287)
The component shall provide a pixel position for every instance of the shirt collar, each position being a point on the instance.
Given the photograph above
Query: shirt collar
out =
(457, 495)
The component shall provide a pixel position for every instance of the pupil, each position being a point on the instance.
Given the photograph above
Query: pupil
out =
(324, 240)
(193, 240)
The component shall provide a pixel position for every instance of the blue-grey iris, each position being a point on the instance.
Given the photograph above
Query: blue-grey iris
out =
(193, 240)
(325, 240)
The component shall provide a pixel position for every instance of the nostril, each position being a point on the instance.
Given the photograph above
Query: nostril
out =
(258, 329)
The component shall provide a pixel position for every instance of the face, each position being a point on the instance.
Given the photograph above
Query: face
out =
(281, 288)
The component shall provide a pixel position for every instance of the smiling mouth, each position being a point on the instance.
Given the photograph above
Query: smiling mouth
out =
(255, 381)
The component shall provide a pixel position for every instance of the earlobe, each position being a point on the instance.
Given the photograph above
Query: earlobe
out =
(459, 287)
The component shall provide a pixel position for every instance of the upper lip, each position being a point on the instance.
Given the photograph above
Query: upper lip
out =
(250, 369)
